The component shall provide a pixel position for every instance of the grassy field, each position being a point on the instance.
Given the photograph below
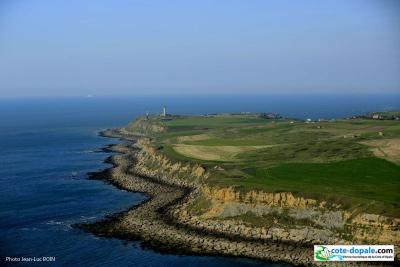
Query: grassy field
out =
(353, 162)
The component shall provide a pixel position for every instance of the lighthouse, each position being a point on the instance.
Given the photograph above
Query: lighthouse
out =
(164, 111)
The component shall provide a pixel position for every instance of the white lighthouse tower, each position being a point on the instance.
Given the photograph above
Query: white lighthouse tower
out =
(164, 111)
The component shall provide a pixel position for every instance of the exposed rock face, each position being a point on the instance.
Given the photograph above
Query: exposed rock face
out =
(372, 228)
(285, 199)
(368, 228)
(151, 163)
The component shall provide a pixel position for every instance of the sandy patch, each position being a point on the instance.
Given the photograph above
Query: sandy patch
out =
(196, 137)
(219, 153)
(385, 148)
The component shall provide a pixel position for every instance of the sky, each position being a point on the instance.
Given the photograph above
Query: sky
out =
(150, 47)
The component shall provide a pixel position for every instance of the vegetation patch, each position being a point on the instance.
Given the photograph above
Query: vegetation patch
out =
(276, 219)
(199, 206)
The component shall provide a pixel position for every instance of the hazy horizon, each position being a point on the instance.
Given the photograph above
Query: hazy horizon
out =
(139, 48)
(349, 95)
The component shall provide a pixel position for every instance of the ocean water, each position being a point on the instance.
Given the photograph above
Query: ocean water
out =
(49, 145)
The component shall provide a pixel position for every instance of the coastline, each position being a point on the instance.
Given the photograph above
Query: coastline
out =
(152, 222)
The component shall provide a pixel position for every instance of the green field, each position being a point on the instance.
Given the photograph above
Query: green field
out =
(352, 162)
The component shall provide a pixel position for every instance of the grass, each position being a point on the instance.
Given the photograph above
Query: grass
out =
(327, 160)
(271, 220)
(369, 181)
(369, 178)
(199, 206)
(213, 121)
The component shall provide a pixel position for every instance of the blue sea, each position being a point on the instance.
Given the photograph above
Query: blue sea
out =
(49, 145)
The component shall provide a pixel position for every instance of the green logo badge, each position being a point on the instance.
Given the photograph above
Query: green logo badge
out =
(322, 253)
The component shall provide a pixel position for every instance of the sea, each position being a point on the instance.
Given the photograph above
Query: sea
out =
(48, 145)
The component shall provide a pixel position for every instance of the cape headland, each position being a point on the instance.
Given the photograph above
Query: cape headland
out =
(255, 185)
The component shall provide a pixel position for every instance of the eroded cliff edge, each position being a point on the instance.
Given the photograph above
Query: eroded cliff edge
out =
(184, 215)
(277, 216)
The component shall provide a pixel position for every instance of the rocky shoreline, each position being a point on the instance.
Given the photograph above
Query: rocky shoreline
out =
(155, 222)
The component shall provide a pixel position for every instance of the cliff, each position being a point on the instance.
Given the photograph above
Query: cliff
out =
(301, 212)
(262, 215)
(183, 214)
(151, 163)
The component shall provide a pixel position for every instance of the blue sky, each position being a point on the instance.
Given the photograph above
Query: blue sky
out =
(76, 48)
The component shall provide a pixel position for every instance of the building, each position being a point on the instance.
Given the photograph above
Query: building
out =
(376, 117)
(164, 111)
